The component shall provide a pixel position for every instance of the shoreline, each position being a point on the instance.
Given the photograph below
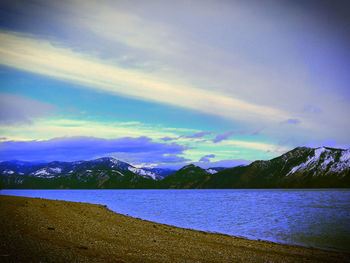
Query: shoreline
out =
(36, 229)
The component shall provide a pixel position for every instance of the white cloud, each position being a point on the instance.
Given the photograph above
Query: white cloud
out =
(44, 129)
(40, 56)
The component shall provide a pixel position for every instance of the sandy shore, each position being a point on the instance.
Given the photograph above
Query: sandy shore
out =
(40, 230)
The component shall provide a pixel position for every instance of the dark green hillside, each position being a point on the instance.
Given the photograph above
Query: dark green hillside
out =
(277, 173)
(96, 179)
(189, 176)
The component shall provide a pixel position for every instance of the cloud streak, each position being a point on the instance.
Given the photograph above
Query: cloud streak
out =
(206, 158)
(42, 57)
(198, 135)
(222, 137)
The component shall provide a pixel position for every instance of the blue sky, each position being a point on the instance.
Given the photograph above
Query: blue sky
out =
(209, 82)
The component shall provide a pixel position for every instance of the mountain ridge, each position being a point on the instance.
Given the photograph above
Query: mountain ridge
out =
(302, 167)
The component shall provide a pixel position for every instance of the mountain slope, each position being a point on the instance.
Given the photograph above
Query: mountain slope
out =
(189, 176)
(300, 168)
(100, 173)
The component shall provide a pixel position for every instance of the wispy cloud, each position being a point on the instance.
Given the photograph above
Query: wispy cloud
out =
(206, 158)
(44, 129)
(197, 135)
(277, 149)
(223, 136)
(41, 56)
(166, 139)
(292, 121)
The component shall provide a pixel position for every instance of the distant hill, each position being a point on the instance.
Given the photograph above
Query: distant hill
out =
(189, 176)
(300, 168)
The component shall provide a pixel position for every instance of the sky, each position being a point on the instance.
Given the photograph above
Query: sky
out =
(167, 83)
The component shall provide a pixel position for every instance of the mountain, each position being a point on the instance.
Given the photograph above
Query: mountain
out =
(189, 176)
(300, 168)
(100, 173)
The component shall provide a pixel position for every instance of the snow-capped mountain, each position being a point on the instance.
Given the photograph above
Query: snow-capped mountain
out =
(102, 171)
(302, 167)
(54, 169)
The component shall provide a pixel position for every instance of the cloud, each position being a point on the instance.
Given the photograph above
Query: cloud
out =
(192, 136)
(312, 108)
(16, 109)
(55, 128)
(43, 57)
(166, 139)
(206, 158)
(197, 135)
(259, 146)
(223, 136)
(328, 143)
(133, 150)
(255, 133)
(292, 121)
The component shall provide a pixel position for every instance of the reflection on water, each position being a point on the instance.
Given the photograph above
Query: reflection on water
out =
(317, 218)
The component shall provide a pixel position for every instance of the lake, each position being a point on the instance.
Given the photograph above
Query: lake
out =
(313, 217)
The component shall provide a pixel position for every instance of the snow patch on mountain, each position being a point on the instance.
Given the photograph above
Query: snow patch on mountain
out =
(211, 171)
(143, 173)
(118, 172)
(324, 160)
(345, 156)
(115, 161)
(43, 173)
(8, 172)
(56, 170)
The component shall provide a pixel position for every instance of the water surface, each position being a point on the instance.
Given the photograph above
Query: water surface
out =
(317, 218)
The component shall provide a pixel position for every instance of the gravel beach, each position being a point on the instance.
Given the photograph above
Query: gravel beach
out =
(41, 230)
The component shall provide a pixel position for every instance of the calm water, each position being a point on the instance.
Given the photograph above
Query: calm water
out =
(317, 218)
